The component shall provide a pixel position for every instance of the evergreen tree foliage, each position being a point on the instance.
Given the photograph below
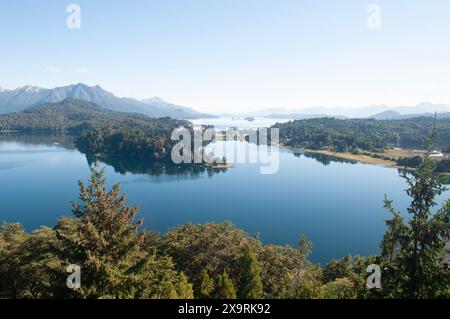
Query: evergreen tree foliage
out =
(341, 288)
(107, 244)
(206, 286)
(352, 135)
(210, 247)
(12, 236)
(29, 266)
(415, 250)
(307, 277)
(225, 287)
(251, 286)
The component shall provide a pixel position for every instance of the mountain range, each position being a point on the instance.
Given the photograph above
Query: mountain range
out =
(29, 96)
(372, 111)
(393, 115)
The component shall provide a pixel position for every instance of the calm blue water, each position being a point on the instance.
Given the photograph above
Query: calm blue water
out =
(337, 205)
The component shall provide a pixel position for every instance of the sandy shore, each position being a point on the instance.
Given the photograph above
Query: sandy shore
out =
(372, 160)
(359, 158)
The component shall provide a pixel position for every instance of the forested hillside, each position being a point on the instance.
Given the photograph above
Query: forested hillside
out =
(97, 130)
(74, 115)
(365, 134)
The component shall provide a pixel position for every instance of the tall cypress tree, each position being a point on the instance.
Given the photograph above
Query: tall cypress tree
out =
(415, 250)
(250, 285)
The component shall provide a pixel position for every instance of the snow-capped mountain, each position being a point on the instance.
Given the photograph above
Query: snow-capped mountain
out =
(28, 96)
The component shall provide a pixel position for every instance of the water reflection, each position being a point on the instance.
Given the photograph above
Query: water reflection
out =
(37, 139)
(325, 159)
(123, 165)
(18, 143)
(11, 165)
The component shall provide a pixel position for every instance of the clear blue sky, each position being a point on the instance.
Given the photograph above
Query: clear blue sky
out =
(234, 55)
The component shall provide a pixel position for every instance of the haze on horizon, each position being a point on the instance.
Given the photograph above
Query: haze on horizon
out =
(234, 56)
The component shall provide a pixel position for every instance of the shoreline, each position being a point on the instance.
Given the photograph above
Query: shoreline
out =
(365, 159)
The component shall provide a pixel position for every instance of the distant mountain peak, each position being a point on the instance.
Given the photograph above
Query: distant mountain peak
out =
(153, 99)
(386, 115)
(30, 88)
(85, 86)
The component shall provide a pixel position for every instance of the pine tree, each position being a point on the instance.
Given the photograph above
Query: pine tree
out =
(415, 251)
(251, 286)
(224, 288)
(206, 286)
(107, 244)
(302, 253)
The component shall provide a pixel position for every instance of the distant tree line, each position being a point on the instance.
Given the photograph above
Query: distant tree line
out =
(372, 135)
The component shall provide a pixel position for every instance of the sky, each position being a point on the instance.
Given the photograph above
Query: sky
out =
(234, 55)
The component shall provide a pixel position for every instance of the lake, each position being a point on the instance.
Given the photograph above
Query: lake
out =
(224, 123)
(336, 204)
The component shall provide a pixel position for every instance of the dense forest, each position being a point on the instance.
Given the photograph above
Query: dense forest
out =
(126, 142)
(118, 259)
(351, 135)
